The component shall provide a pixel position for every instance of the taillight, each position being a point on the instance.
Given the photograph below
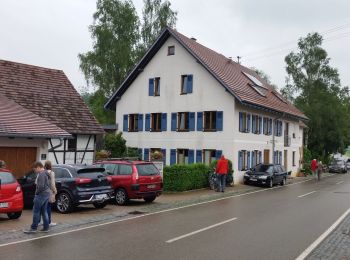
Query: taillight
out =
(109, 178)
(18, 189)
(82, 180)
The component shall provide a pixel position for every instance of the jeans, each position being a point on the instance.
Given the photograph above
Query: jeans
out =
(221, 182)
(40, 209)
(49, 209)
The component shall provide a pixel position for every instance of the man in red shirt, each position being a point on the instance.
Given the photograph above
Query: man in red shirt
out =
(221, 171)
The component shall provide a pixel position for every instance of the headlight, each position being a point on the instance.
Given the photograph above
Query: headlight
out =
(264, 177)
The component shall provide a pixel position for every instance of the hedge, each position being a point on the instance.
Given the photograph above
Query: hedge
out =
(186, 177)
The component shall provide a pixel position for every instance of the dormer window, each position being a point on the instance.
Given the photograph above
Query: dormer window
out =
(171, 50)
(256, 84)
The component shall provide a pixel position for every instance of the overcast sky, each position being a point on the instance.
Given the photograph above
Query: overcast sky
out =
(51, 33)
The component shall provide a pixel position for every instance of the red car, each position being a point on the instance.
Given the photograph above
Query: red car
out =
(11, 196)
(133, 180)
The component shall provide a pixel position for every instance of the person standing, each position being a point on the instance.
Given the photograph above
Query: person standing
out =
(48, 168)
(314, 168)
(222, 171)
(41, 199)
(319, 170)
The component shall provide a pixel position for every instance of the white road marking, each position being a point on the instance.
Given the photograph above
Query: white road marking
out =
(307, 194)
(148, 214)
(340, 182)
(308, 250)
(200, 230)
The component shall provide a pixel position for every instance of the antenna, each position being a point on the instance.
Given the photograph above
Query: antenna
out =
(238, 58)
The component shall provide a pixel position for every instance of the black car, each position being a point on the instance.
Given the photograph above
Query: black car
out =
(266, 174)
(338, 166)
(76, 184)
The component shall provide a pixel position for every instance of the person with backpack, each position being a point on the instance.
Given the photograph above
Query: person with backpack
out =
(41, 199)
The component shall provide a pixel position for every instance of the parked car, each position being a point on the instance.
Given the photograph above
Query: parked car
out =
(11, 197)
(76, 184)
(266, 174)
(337, 166)
(133, 180)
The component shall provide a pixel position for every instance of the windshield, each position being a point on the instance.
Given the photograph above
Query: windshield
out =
(147, 169)
(6, 178)
(339, 163)
(263, 168)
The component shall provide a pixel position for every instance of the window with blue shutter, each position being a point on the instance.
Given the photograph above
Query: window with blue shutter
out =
(280, 159)
(164, 156)
(151, 87)
(125, 123)
(253, 159)
(260, 157)
(253, 124)
(199, 156)
(270, 126)
(281, 126)
(218, 154)
(241, 127)
(219, 120)
(140, 123)
(248, 163)
(172, 156)
(190, 156)
(240, 160)
(164, 122)
(173, 121)
(192, 120)
(189, 83)
(260, 125)
(140, 153)
(199, 121)
(148, 122)
(248, 123)
(146, 154)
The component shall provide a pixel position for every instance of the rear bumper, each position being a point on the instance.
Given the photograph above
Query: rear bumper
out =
(15, 204)
(91, 197)
(145, 194)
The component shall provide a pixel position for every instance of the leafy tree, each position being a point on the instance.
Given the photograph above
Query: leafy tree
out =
(115, 144)
(95, 102)
(318, 93)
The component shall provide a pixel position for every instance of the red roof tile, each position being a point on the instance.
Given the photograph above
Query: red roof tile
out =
(49, 94)
(16, 121)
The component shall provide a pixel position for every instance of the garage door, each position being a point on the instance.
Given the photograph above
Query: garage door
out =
(18, 159)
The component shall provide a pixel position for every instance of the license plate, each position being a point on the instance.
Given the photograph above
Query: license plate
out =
(101, 196)
(4, 205)
(152, 186)
(253, 179)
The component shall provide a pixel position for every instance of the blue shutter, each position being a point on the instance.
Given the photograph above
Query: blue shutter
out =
(140, 123)
(164, 156)
(199, 121)
(248, 123)
(253, 124)
(274, 157)
(190, 156)
(280, 159)
(275, 126)
(146, 154)
(173, 121)
(125, 123)
(240, 161)
(260, 125)
(241, 128)
(219, 120)
(189, 83)
(172, 156)
(140, 153)
(164, 122)
(192, 120)
(260, 156)
(199, 156)
(252, 163)
(248, 160)
(270, 126)
(148, 122)
(151, 87)
(218, 154)
(281, 128)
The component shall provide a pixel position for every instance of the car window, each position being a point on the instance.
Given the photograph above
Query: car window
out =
(6, 178)
(125, 169)
(280, 168)
(147, 169)
(110, 168)
(61, 173)
(263, 168)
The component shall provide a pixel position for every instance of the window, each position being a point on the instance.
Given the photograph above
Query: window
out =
(256, 157)
(277, 157)
(133, 122)
(6, 178)
(61, 173)
(293, 158)
(256, 84)
(171, 50)
(243, 159)
(147, 169)
(256, 124)
(278, 128)
(157, 87)
(154, 87)
(267, 126)
(125, 169)
(244, 122)
(186, 84)
(209, 156)
(111, 169)
(182, 156)
(183, 121)
(156, 122)
(210, 121)
(72, 143)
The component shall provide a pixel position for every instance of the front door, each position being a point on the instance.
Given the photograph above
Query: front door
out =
(266, 156)
(285, 160)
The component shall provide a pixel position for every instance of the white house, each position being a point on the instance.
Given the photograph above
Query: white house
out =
(49, 96)
(194, 104)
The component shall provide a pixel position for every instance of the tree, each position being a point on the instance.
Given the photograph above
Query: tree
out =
(95, 101)
(318, 93)
(115, 144)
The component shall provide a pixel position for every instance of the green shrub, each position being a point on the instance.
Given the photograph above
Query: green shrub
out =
(229, 178)
(185, 177)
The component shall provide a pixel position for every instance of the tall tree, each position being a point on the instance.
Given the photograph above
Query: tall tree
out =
(318, 93)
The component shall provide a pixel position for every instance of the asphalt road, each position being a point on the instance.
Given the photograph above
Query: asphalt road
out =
(277, 223)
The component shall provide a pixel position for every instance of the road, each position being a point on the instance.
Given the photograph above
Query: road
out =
(276, 223)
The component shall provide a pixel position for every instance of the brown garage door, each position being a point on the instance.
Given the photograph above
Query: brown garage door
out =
(18, 159)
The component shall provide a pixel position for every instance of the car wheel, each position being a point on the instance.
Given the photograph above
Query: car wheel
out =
(149, 199)
(64, 203)
(270, 183)
(14, 215)
(100, 205)
(121, 197)
(283, 182)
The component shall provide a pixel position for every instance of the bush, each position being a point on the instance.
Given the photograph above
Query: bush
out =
(186, 177)
(115, 144)
(229, 178)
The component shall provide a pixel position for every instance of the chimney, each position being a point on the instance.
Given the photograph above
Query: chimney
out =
(193, 39)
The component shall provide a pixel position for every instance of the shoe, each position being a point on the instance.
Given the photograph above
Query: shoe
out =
(30, 231)
(44, 230)
(52, 224)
